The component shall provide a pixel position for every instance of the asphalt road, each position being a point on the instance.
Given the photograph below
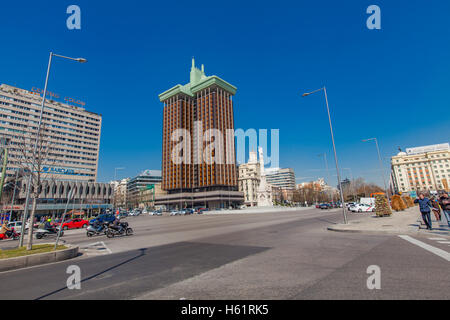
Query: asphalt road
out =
(283, 255)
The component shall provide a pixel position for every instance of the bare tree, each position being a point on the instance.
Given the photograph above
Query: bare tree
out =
(37, 169)
(359, 188)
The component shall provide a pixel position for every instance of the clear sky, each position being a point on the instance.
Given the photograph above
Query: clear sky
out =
(392, 83)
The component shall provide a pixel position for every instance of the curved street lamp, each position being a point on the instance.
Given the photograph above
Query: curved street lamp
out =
(334, 148)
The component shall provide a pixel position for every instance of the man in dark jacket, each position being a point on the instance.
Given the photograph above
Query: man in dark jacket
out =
(444, 202)
(425, 206)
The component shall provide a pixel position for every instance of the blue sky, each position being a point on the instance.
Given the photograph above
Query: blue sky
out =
(392, 83)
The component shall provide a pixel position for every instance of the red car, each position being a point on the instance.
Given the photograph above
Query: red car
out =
(74, 224)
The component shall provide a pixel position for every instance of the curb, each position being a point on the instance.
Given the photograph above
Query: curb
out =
(372, 231)
(387, 232)
(38, 258)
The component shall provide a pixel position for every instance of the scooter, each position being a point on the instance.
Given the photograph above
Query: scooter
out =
(43, 233)
(14, 235)
(91, 230)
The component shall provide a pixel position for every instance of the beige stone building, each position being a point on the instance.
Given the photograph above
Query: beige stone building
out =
(249, 179)
(424, 168)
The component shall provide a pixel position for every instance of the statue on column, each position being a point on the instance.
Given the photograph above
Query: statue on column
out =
(264, 190)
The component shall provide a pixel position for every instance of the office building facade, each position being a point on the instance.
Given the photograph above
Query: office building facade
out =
(203, 105)
(71, 133)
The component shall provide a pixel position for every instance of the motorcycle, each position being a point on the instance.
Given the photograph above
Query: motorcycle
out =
(92, 230)
(14, 235)
(43, 233)
(120, 230)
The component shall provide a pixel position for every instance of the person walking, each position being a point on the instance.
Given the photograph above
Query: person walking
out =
(425, 206)
(444, 202)
(436, 208)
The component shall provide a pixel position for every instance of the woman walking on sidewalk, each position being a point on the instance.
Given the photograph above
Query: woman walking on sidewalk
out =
(425, 208)
(444, 202)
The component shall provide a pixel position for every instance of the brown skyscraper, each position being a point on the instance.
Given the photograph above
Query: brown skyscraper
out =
(203, 178)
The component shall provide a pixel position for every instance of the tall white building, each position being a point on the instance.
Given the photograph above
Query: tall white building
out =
(424, 168)
(71, 132)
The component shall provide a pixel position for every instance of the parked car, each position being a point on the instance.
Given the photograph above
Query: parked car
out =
(155, 213)
(75, 223)
(362, 207)
(349, 204)
(174, 213)
(122, 215)
(325, 206)
(201, 210)
(17, 225)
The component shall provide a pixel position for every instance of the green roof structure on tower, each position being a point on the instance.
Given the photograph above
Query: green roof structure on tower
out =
(198, 81)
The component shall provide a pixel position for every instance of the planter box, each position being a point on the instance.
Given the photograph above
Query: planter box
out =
(38, 258)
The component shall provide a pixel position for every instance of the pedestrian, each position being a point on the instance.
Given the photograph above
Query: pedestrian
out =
(444, 202)
(436, 208)
(425, 209)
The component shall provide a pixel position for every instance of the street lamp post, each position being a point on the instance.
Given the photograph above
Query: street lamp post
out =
(334, 149)
(44, 94)
(381, 165)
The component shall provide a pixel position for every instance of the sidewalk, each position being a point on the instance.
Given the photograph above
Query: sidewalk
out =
(408, 221)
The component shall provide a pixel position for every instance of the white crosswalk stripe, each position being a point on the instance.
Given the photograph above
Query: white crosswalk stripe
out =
(437, 251)
(95, 249)
(440, 240)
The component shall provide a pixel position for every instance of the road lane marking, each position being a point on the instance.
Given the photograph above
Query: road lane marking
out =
(435, 239)
(444, 242)
(108, 249)
(95, 248)
(439, 252)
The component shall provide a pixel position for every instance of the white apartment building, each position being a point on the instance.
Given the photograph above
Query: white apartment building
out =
(424, 168)
(120, 192)
(71, 132)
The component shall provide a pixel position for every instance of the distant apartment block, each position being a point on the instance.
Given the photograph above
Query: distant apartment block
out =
(283, 178)
(137, 185)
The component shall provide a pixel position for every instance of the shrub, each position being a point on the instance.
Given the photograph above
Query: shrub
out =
(397, 203)
(408, 201)
(381, 206)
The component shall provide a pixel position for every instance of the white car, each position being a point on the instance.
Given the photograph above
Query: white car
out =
(17, 225)
(174, 213)
(362, 207)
